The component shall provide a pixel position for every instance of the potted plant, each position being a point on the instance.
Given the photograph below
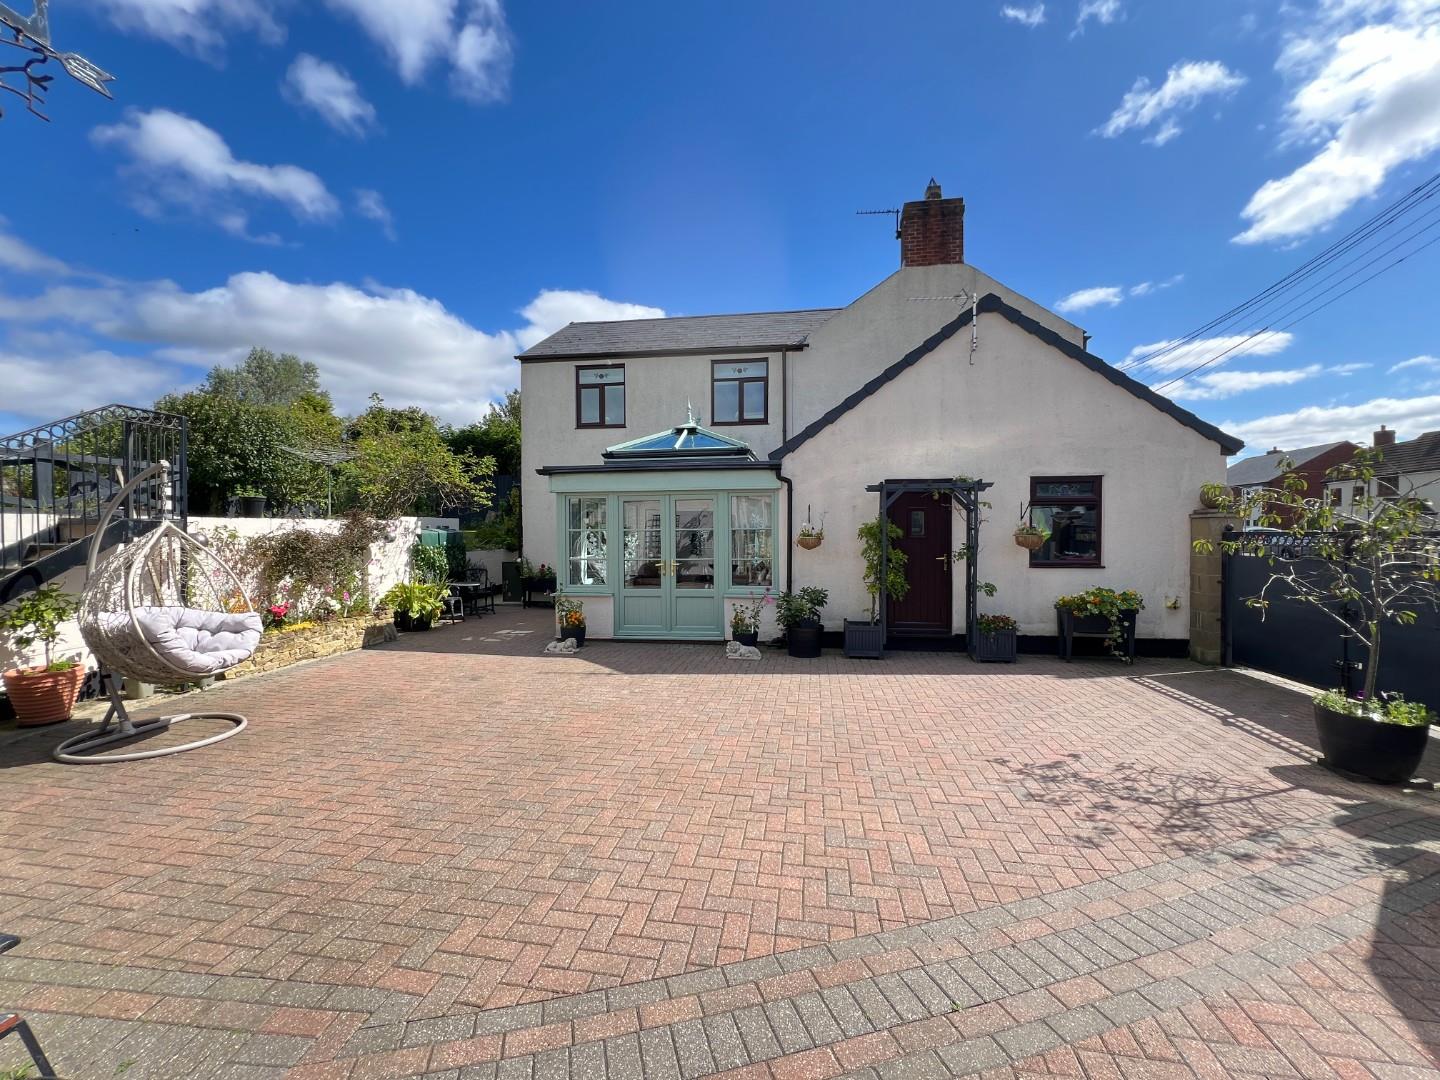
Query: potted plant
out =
(810, 536)
(536, 579)
(799, 614)
(570, 614)
(1366, 565)
(1099, 612)
(416, 604)
(994, 639)
(45, 694)
(252, 501)
(745, 620)
(1030, 536)
(866, 638)
(1213, 496)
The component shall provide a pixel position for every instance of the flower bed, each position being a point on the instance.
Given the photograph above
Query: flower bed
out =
(296, 644)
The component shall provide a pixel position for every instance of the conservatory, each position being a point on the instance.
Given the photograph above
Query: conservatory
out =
(658, 536)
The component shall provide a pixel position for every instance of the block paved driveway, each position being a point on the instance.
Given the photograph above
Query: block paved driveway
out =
(455, 857)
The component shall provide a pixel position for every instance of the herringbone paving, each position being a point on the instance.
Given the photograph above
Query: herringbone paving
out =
(455, 857)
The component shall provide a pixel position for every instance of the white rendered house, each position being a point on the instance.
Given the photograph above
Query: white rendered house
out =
(668, 464)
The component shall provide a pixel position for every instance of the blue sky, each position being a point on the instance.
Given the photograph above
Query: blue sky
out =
(408, 193)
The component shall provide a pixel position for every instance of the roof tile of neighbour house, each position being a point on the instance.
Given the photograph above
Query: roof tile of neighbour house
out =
(1265, 468)
(763, 331)
(1421, 454)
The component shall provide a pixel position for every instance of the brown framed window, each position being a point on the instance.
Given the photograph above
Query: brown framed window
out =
(740, 392)
(1066, 509)
(600, 396)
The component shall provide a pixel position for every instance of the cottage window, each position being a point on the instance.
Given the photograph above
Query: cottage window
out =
(1066, 509)
(585, 541)
(751, 541)
(740, 392)
(600, 396)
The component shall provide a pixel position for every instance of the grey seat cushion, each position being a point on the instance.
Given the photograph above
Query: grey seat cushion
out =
(196, 641)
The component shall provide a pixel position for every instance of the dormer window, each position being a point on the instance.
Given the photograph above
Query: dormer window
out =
(600, 396)
(740, 392)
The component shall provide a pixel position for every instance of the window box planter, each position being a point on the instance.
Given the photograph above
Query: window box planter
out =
(1385, 753)
(802, 640)
(994, 648)
(1069, 626)
(864, 640)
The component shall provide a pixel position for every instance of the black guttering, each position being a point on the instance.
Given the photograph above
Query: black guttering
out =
(676, 465)
(992, 304)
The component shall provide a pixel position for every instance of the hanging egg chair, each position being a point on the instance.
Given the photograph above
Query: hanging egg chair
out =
(162, 608)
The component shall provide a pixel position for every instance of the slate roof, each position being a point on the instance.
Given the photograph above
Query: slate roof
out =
(1265, 468)
(762, 331)
(1418, 455)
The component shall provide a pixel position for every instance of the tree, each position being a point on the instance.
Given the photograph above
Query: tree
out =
(1379, 558)
(496, 435)
(266, 379)
(403, 465)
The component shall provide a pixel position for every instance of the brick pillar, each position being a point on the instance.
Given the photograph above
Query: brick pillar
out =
(1206, 585)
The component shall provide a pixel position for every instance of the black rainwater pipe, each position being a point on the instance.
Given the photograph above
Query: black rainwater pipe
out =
(789, 526)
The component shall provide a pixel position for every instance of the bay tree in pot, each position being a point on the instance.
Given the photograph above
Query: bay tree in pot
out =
(799, 614)
(44, 694)
(1368, 565)
(866, 638)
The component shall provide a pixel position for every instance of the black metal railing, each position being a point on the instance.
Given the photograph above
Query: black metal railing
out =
(56, 479)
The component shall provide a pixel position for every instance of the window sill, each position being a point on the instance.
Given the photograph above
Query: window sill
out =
(739, 423)
(598, 427)
(1066, 566)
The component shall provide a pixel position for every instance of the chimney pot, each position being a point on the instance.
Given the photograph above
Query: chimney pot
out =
(932, 230)
(1384, 437)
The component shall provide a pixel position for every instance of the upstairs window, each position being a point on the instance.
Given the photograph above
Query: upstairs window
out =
(740, 392)
(600, 396)
(1066, 509)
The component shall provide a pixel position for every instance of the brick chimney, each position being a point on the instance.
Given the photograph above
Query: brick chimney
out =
(1384, 437)
(932, 231)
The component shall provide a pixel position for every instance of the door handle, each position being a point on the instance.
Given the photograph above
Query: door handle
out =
(942, 558)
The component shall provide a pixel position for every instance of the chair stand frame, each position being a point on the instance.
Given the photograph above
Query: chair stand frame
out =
(80, 749)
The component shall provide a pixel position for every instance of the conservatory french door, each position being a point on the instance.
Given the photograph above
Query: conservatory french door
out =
(668, 567)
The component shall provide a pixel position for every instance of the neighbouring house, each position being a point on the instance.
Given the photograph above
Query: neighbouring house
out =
(669, 464)
(1310, 463)
(1405, 470)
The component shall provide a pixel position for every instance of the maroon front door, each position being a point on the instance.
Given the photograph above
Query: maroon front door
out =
(924, 523)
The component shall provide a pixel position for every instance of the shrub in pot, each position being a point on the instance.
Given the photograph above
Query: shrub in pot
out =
(44, 694)
(995, 638)
(416, 604)
(1213, 496)
(745, 620)
(1099, 612)
(866, 638)
(1376, 557)
(252, 502)
(570, 615)
(799, 614)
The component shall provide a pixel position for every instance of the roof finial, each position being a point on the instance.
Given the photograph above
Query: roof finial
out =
(689, 414)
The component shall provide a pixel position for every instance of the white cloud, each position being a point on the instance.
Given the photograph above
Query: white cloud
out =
(1416, 362)
(180, 161)
(1031, 16)
(400, 343)
(15, 254)
(1347, 369)
(331, 92)
(474, 41)
(1365, 78)
(1214, 385)
(47, 384)
(1316, 424)
(1084, 299)
(197, 26)
(1186, 85)
(371, 204)
(1182, 357)
(1103, 12)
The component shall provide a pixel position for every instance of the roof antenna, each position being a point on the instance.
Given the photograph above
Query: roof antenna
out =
(896, 212)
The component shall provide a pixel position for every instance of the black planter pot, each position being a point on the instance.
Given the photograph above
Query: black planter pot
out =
(575, 633)
(1385, 753)
(404, 621)
(749, 637)
(802, 640)
(252, 506)
(864, 640)
(1069, 626)
(996, 648)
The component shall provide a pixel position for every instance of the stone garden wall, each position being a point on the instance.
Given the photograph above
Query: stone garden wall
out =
(283, 648)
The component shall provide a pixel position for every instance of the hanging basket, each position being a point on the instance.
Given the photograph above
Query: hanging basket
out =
(809, 543)
(1030, 541)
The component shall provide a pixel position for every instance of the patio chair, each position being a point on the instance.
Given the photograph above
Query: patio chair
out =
(487, 592)
(161, 609)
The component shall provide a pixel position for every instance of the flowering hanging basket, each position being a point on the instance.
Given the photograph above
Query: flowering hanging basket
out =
(1030, 539)
(809, 543)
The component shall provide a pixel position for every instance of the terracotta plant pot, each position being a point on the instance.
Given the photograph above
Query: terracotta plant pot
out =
(43, 697)
(809, 543)
(1030, 541)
